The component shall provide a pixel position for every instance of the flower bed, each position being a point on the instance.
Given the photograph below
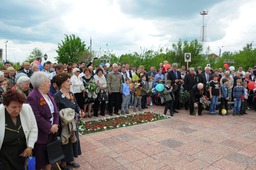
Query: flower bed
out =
(91, 126)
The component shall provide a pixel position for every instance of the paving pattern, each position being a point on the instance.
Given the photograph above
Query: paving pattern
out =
(182, 142)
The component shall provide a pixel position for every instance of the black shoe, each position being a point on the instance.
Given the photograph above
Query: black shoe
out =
(171, 114)
(164, 113)
(111, 114)
(74, 164)
(65, 168)
(117, 113)
(175, 111)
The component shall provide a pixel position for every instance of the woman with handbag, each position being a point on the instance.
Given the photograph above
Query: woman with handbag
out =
(47, 117)
(101, 82)
(66, 99)
(18, 131)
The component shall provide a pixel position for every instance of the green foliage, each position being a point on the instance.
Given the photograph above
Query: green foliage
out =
(36, 53)
(70, 50)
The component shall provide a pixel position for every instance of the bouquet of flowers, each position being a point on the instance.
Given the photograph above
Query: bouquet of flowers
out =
(151, 92)
(91, 89)
(205, 101)
(184, 97)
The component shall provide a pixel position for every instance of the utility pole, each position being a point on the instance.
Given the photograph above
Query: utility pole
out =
(6, 50)
(220, 50)
(203, 36)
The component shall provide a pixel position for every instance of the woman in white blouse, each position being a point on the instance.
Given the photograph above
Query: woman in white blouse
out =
(77, 87)
(101, 81)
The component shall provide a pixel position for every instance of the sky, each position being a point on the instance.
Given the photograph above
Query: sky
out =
(123, 26)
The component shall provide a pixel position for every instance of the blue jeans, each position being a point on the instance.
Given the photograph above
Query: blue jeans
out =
(237, 105)
(213, 105)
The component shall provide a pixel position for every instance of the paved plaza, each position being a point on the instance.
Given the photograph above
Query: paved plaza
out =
(182, 142)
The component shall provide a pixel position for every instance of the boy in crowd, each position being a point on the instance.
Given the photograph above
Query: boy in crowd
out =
(225, 93)
(144, 92)
(168, 97)
(244, 99)
(126, 96)
(238, 93)
(214, 91)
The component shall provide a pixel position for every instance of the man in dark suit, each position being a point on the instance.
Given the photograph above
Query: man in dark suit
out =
(26, 69)
(189, 82)
(175, 76)
(205, 77)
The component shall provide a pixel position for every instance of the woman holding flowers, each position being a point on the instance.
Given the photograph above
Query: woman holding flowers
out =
(47, 117)
(89, 98)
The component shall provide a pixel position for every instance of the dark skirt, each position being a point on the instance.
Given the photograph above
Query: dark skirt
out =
(72, 150)
(40, 152)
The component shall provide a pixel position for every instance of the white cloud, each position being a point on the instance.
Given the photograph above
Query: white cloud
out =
(229, 24)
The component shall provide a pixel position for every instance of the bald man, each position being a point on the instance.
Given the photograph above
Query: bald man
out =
(195, 94)
(26, 69)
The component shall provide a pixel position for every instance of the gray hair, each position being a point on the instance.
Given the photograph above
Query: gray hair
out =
(200, 86)
(175, 64)
(38, 78)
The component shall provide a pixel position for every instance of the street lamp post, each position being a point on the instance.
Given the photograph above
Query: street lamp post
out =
(6, 50)
(220, 50)
(45, 56)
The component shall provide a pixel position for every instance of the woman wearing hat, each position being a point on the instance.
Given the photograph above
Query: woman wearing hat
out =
(22, 85)
(77, 87)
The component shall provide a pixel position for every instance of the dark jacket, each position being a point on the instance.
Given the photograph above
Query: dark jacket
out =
(171, 76)
(189, 82)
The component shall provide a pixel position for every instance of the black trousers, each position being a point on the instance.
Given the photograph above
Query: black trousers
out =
(114, 101)
(223, 102)
(168, 106)
(177, 99)
(80, 100)
(96, 106)
(144, 102)
(191, 107)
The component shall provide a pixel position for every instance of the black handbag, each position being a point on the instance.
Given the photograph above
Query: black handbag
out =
(55, 152)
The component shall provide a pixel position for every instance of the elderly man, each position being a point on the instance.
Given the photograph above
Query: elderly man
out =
(205, 78)
(114, 82)
(26, 69)
(195, 94)
(175, 76)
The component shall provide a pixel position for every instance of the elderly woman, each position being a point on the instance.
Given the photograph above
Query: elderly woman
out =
(18, 131)
(22, 85)
(66, 99)
(47, 117)
(77, 87)
(101, 100)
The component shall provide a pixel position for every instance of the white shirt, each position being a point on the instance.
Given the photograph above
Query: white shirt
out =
(102, 80)
(76, 84)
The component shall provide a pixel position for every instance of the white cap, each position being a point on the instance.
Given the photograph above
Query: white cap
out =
(75, 70)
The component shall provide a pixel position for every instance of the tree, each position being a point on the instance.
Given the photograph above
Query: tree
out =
(36, 53)
(193, 47)
(70, 49)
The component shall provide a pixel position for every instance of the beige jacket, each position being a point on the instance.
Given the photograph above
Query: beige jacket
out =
(68, 125)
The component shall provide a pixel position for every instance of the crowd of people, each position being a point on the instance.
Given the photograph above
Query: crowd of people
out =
(36, 103)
